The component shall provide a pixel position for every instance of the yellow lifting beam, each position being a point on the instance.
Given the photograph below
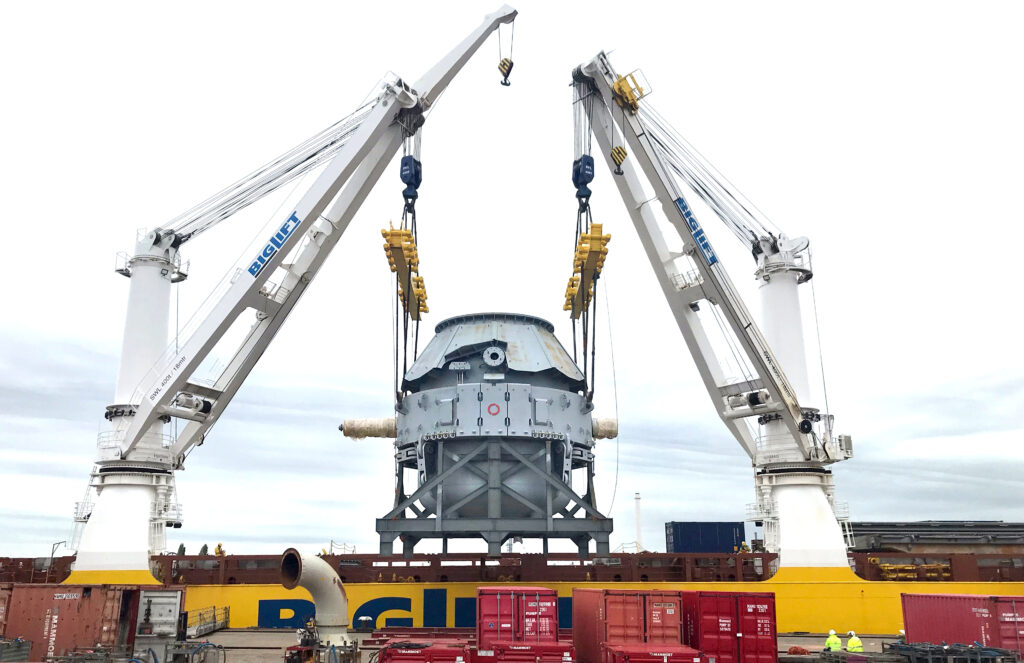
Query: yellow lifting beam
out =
(404, 259)
(591, 251)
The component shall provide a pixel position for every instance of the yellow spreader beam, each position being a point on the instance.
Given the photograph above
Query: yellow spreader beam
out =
(404, 260)
(591, 251)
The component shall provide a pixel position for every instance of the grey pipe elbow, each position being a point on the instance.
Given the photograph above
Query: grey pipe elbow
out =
(322, 582)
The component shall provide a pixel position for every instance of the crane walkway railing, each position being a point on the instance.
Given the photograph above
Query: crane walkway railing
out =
(207, 620)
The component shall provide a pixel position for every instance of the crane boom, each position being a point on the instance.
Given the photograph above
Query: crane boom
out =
(787, 443)
(376, 141)
(136, 459)
(711, 282)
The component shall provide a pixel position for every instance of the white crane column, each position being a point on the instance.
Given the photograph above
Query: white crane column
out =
(122, 528)
(778, 275)
(799, 521)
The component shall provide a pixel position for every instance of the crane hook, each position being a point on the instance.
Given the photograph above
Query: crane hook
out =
(505, 67)
(618, 156)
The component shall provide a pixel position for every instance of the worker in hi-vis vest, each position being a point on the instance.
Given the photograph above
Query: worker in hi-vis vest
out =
(833, 643)
(854, 644)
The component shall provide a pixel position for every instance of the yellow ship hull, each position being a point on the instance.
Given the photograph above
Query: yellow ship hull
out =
(807, 599)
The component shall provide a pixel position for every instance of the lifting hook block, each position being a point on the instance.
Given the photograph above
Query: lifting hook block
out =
(505, 67)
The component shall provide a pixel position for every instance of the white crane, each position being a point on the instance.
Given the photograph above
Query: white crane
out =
(136, 456)
(766, 406)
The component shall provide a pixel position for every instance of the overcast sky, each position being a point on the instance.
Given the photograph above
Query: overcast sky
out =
(888, 133)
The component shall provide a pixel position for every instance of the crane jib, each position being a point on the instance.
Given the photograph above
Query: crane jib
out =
(698, 233)
(275, 243)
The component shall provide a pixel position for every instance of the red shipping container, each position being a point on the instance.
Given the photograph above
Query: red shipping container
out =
(731, 627)
(623, 616)
(993, 621)
(60, 618)
(515, 614)
(529, 652)
(5, 596)
(663, 612)
(438, 650)
(1010, 620)
(600, 615)
(646, 653)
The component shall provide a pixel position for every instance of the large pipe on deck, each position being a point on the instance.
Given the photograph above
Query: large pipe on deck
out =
(360, 428)
(604, 428)
(322, 582)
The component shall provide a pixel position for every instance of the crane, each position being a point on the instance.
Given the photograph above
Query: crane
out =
(137, 456)
(756, 380)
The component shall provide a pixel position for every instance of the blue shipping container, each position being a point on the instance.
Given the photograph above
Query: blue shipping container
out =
(703, 537)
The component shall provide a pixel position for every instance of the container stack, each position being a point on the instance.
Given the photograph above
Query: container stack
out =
(612, 626)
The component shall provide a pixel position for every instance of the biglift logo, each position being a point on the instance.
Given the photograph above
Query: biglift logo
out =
(275, 244)
(294, 613)
(697, 232)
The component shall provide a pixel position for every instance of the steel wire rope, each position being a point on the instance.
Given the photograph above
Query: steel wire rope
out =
(341, 131)
(732, 292)
(213, 293)
(731, 341)
(615, 394)
(744, 368)
(817, 333)
(747, 205)
(255, 326)
(512, 41)
(658, 137)
(730, 338)
(577, 136)
(593, 341)
(582, 106)
(702, 187)
(702, 190)
(268, 178)
(395, 344)
(759, 218)
(709, 190)
(177, 349)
